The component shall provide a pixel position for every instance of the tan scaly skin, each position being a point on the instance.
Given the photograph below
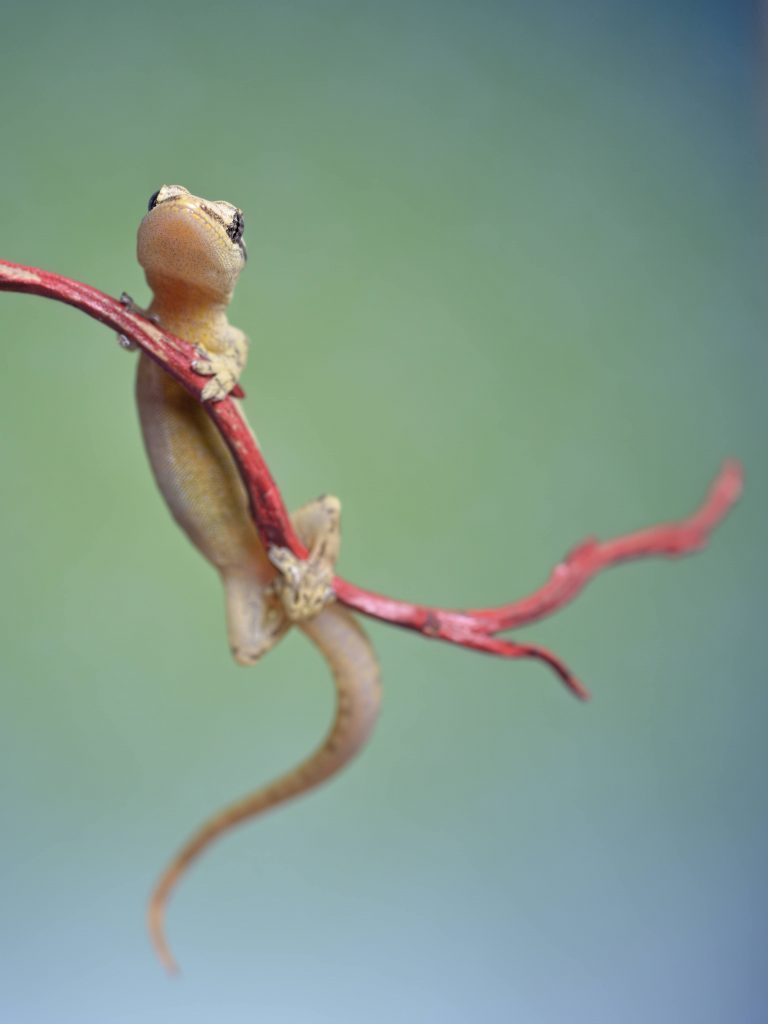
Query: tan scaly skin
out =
(192, 252)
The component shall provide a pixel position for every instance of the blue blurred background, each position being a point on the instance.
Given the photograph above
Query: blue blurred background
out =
(505, 291)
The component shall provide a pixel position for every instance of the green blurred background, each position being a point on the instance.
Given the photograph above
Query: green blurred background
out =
(505, 291)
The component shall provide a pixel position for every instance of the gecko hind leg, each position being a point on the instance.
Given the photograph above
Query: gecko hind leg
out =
(259, 613)
(305, 586)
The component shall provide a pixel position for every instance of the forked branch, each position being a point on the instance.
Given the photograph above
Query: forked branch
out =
(474, 628)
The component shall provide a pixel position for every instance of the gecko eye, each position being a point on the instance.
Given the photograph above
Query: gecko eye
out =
(153, 200)
(237, 227)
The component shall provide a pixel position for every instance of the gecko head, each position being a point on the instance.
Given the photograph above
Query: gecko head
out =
(191, 241)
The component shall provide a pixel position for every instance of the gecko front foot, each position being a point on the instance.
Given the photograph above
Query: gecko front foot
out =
(224, 371)
(303, 586)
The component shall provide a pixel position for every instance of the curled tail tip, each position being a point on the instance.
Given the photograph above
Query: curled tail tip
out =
(156, 927)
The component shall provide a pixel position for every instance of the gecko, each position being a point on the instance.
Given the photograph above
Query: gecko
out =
(192, 251)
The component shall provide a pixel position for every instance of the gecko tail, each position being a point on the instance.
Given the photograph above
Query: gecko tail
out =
(356, 676)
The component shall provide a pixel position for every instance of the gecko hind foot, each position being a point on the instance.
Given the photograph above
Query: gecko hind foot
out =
(304, 586)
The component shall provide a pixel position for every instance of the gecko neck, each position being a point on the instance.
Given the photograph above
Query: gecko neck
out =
(194, 315)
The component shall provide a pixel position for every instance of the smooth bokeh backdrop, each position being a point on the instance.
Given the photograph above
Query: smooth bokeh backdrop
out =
(505, 290)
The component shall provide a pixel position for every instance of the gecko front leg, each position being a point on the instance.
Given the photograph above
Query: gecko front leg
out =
(122, 339)
(223, 367)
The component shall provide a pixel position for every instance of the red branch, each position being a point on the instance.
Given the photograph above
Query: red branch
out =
(475, 628)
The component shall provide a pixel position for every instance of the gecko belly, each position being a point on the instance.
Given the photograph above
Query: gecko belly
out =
(198, 479)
